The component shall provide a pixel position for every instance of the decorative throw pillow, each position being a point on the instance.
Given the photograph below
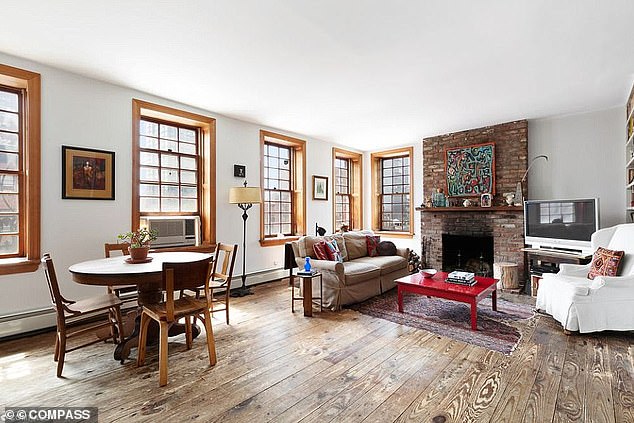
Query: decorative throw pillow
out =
(386, 248)
(332, 249)
(372, 242)
(605, 262)
(320, 250)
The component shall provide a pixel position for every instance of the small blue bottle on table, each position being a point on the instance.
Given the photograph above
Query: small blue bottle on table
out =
(307, 265)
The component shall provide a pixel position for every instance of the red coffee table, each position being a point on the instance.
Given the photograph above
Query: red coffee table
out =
(437, 287)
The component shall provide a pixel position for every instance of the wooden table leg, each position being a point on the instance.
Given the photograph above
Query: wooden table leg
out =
(474, 315)
(400, 300)
(308, 296)
(494, 300)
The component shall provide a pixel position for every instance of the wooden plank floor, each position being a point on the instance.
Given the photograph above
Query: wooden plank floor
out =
(282, 367)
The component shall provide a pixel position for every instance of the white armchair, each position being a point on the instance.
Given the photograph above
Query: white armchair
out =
(604, 303)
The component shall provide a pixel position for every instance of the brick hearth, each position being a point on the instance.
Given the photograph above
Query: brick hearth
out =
(505, 224)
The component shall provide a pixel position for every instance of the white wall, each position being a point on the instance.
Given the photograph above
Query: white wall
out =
(78, 111)
(586, 159)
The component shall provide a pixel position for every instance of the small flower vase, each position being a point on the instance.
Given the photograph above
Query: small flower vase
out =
(139, 253)
(307, 265)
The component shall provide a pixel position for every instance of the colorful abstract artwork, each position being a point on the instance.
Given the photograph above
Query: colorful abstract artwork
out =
(470, 170)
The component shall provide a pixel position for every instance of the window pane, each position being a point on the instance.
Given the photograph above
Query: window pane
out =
(187, 148)
(149, 204)
(188, 163)
(149, 128)
(168, 160)
(169, 204)
(187, 135)
(167, 145)
(8, 244)
(169, 191)
(8, 101)
(8, 203)
(169, 132)
(149, 174)
(9, 183)
(8, 141)
(146, 190)
(151, 159)
(189, 192)
(9, 161)
(188, 177)
(9, 224)
(147, 142)
(168, 175)
(285, 197)
(9, 121)
(189, 205)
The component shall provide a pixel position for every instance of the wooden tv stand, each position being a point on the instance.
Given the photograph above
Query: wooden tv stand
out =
(540, 260)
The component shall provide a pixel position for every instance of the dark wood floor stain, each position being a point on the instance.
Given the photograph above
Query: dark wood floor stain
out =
(277, 366)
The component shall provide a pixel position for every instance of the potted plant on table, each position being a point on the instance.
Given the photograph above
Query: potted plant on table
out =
(139, 242)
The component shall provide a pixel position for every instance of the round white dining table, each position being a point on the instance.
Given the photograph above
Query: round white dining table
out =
(116, 271)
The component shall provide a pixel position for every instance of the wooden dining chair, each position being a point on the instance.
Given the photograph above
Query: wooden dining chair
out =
(224, 259)
(179, 277)
(124, 249)
(70, 312)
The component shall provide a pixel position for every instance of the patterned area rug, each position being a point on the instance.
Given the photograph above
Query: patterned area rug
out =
(497, 330)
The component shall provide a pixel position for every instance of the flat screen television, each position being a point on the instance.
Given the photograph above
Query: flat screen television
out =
(565, 225)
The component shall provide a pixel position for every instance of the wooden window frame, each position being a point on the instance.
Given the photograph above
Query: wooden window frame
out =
(30, 85)
(298, 205)
(207, 165)
(375, 159)
(291, 153)
(356, 187)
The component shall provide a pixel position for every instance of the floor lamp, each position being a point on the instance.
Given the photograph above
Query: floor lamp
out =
(245, 197)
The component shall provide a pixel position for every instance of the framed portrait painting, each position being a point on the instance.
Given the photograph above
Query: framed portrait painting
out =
(320, 187)
(87, 174)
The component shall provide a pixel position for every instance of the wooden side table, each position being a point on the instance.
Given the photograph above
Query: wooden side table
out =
(307, 287)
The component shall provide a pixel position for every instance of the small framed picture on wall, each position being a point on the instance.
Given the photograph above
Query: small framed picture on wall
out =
(320, 187)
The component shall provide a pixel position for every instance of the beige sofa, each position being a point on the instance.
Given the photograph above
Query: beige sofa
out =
(359, 277)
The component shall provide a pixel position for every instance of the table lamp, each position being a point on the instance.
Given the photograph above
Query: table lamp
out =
(245, 197)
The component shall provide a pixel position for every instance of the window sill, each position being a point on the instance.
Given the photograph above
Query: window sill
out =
(390, 234)
(270, 242)
(11, 266)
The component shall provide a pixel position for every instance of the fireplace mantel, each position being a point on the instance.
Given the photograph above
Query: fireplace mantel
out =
(470, 209)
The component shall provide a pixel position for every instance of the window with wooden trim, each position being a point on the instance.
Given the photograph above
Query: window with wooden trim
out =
(168, 157)
(393, 208)
(347, 174)
(282, 215)
(174, 166)
(19, 170)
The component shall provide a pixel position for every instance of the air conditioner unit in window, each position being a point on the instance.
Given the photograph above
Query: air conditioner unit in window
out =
(173, 231)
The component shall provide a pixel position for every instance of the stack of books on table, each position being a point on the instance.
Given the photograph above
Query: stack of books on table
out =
(302, 272)
(462, 278)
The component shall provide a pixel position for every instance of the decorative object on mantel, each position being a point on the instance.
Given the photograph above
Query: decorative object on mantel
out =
(519, 195)
(485, 200)
(140, 241)
(470, 170)
(245, 197)
(466, 203)
(438, 198)
(510, 198)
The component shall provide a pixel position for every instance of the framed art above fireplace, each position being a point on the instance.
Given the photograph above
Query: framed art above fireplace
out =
(470, 170)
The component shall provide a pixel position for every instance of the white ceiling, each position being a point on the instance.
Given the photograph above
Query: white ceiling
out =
(363, 73)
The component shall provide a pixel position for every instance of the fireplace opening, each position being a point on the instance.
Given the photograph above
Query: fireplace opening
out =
(468, 253)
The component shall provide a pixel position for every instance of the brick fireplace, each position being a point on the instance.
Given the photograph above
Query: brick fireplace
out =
(505, 224)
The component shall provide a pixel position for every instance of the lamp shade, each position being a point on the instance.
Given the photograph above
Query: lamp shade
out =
(245, 195)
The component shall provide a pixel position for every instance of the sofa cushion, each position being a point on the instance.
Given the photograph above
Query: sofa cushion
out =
(321, 250)
(306, 243)
(332, 250)
(605, 263)
(357, 272)
(386, 248)
(372, 243)
(387, 264)
(355, 244)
